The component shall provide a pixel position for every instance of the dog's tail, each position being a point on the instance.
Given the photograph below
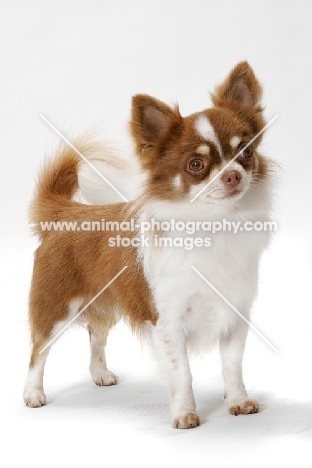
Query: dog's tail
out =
(56, 185)
(67, 174)
(121, 169)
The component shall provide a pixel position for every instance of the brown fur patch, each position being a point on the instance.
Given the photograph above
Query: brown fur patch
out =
(78, 264)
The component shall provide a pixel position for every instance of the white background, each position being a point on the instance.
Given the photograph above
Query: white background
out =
(79, 63)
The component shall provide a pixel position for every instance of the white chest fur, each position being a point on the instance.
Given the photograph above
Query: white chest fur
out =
(230, 264)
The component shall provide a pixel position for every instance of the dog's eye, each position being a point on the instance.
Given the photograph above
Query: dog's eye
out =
(196, 165)
(247, 152)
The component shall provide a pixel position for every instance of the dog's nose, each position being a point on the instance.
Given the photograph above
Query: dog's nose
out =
(231, 178)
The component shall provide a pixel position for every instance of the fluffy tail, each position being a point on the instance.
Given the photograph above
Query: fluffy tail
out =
(123, 171)
(67, 175)
(56, 185)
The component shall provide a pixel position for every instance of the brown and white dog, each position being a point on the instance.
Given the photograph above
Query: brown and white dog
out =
(159, 291)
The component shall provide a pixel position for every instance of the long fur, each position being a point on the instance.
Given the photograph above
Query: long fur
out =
(123, 171)
(159, 292)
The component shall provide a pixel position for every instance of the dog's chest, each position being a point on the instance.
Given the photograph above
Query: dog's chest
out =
(229, 265)
(227, 258)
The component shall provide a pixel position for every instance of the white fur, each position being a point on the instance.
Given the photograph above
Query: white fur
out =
(191, 315)
(123, 172)
(98, 368)
(33, 391)
(177, 182)
(203, 149)
(235, 141)
(206, 131)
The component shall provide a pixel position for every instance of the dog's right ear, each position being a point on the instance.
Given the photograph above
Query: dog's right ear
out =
(151, 120)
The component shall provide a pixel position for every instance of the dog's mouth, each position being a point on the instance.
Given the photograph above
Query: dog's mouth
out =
(234, 193)
(225, 195)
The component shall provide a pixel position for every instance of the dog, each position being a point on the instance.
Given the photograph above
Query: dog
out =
(205, 167)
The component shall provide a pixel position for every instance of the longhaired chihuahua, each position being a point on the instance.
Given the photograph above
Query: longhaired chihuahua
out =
(156, 288)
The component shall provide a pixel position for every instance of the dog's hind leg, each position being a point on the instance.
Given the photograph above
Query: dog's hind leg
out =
(45, 328)
(98, 328)
(33, 391)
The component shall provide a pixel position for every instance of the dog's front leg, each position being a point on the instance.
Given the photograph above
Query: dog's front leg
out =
(232, 350)
(170, 346)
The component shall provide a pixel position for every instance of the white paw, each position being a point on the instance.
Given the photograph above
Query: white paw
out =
(104, 377)
(186, 421)
(242, 406)
(34, 398)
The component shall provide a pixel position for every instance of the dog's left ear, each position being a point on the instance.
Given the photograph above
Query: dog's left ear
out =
(241, 87)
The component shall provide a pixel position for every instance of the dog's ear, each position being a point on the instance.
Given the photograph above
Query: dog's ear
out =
(240, 87)
(150, 120)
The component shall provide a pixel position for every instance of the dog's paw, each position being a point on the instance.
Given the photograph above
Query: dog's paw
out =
(243, 406)
(186, 421)
(104, 377)
(34, 398)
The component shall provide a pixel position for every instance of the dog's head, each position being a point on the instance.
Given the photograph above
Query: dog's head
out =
(186, 155)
